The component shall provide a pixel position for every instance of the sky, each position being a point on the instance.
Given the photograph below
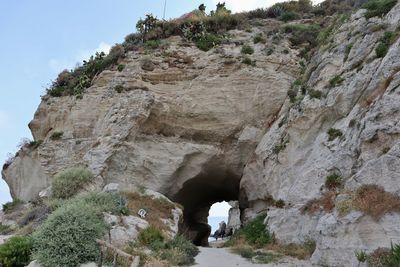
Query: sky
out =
(41, 38)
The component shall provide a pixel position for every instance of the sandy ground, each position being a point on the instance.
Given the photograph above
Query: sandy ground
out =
(222, 257)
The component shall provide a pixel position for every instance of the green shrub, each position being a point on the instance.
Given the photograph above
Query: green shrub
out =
(378, 7)
(56, 135)
(245, 252)
(325, 34)
(256, 233)
(152, 44)
(288, 16)
(385, 42)
(259, 39)
(119, 88)
(150, 235)
(360, 255)
(179, 251)
(303, 33)
(381, 50)
(68, 182)
(16, 252)
(333, 181)
(385, 150)
(314, 93)
(383, 257)
(68, 237)
(280, 203)
(208, 41)
(121, 67)
(334, 133)
(337, 80)
(292, 94)
(5, 229)
(347, 52)
(35, 144)
(247, 49)
(248, 61)
(11, 206)
(75, 82)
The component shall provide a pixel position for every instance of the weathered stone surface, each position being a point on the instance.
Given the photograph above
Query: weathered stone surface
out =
(123, 229)
(192, 125)
(364, 107)
(188, 115)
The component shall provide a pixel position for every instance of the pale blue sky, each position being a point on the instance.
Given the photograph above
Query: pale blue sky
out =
(42, 37)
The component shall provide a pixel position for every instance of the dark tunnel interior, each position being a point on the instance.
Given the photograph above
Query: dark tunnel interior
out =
(198, 194)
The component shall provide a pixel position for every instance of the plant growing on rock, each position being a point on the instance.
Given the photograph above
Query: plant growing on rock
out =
(301, 33)
(334, 133)
(12, 206)
(68, 237)
(248, 61)
(314, 93)
(333, 181)
(360, 255)
(5, 229)
(378, 7)
(373, 200)
(121, 67)
(208, 41)
(384, 257)
(70, 181)
(259, 39)
(280, 203)
(178, 251)
(144, 26)
(256, 233)
(247, 49)
(152, 44)
(385, 42)
(288, 16)
(56, 135)
(150, 236)
(119, 88)
(16, 252)
(335, 81)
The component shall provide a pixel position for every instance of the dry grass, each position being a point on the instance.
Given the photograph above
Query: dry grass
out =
(304, 251)
(373, 200)
(326, 203)
(157, 208)
(345, 207)
(299, 251)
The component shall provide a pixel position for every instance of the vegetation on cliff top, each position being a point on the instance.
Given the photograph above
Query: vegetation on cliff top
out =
(206, 31)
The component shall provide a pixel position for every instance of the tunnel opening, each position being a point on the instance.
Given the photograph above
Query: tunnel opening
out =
(218, 214)
(198, 194)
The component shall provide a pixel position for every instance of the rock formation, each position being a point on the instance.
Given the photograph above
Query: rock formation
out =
(202, 127)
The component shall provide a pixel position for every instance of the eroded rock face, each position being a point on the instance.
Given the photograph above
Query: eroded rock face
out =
(182, 114)
(201, 127)
(295, 156)
(166, 125)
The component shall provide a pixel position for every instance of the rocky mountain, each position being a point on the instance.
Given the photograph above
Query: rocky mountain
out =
(313, 142)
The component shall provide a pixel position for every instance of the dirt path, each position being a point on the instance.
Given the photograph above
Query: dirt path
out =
(222, 257)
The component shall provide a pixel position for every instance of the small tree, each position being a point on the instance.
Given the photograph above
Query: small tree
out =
(146, 25)
(202, 8)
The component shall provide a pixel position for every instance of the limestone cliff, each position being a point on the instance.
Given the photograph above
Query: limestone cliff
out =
(201, 127)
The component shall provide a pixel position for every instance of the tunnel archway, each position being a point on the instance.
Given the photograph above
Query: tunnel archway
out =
(198, 194)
